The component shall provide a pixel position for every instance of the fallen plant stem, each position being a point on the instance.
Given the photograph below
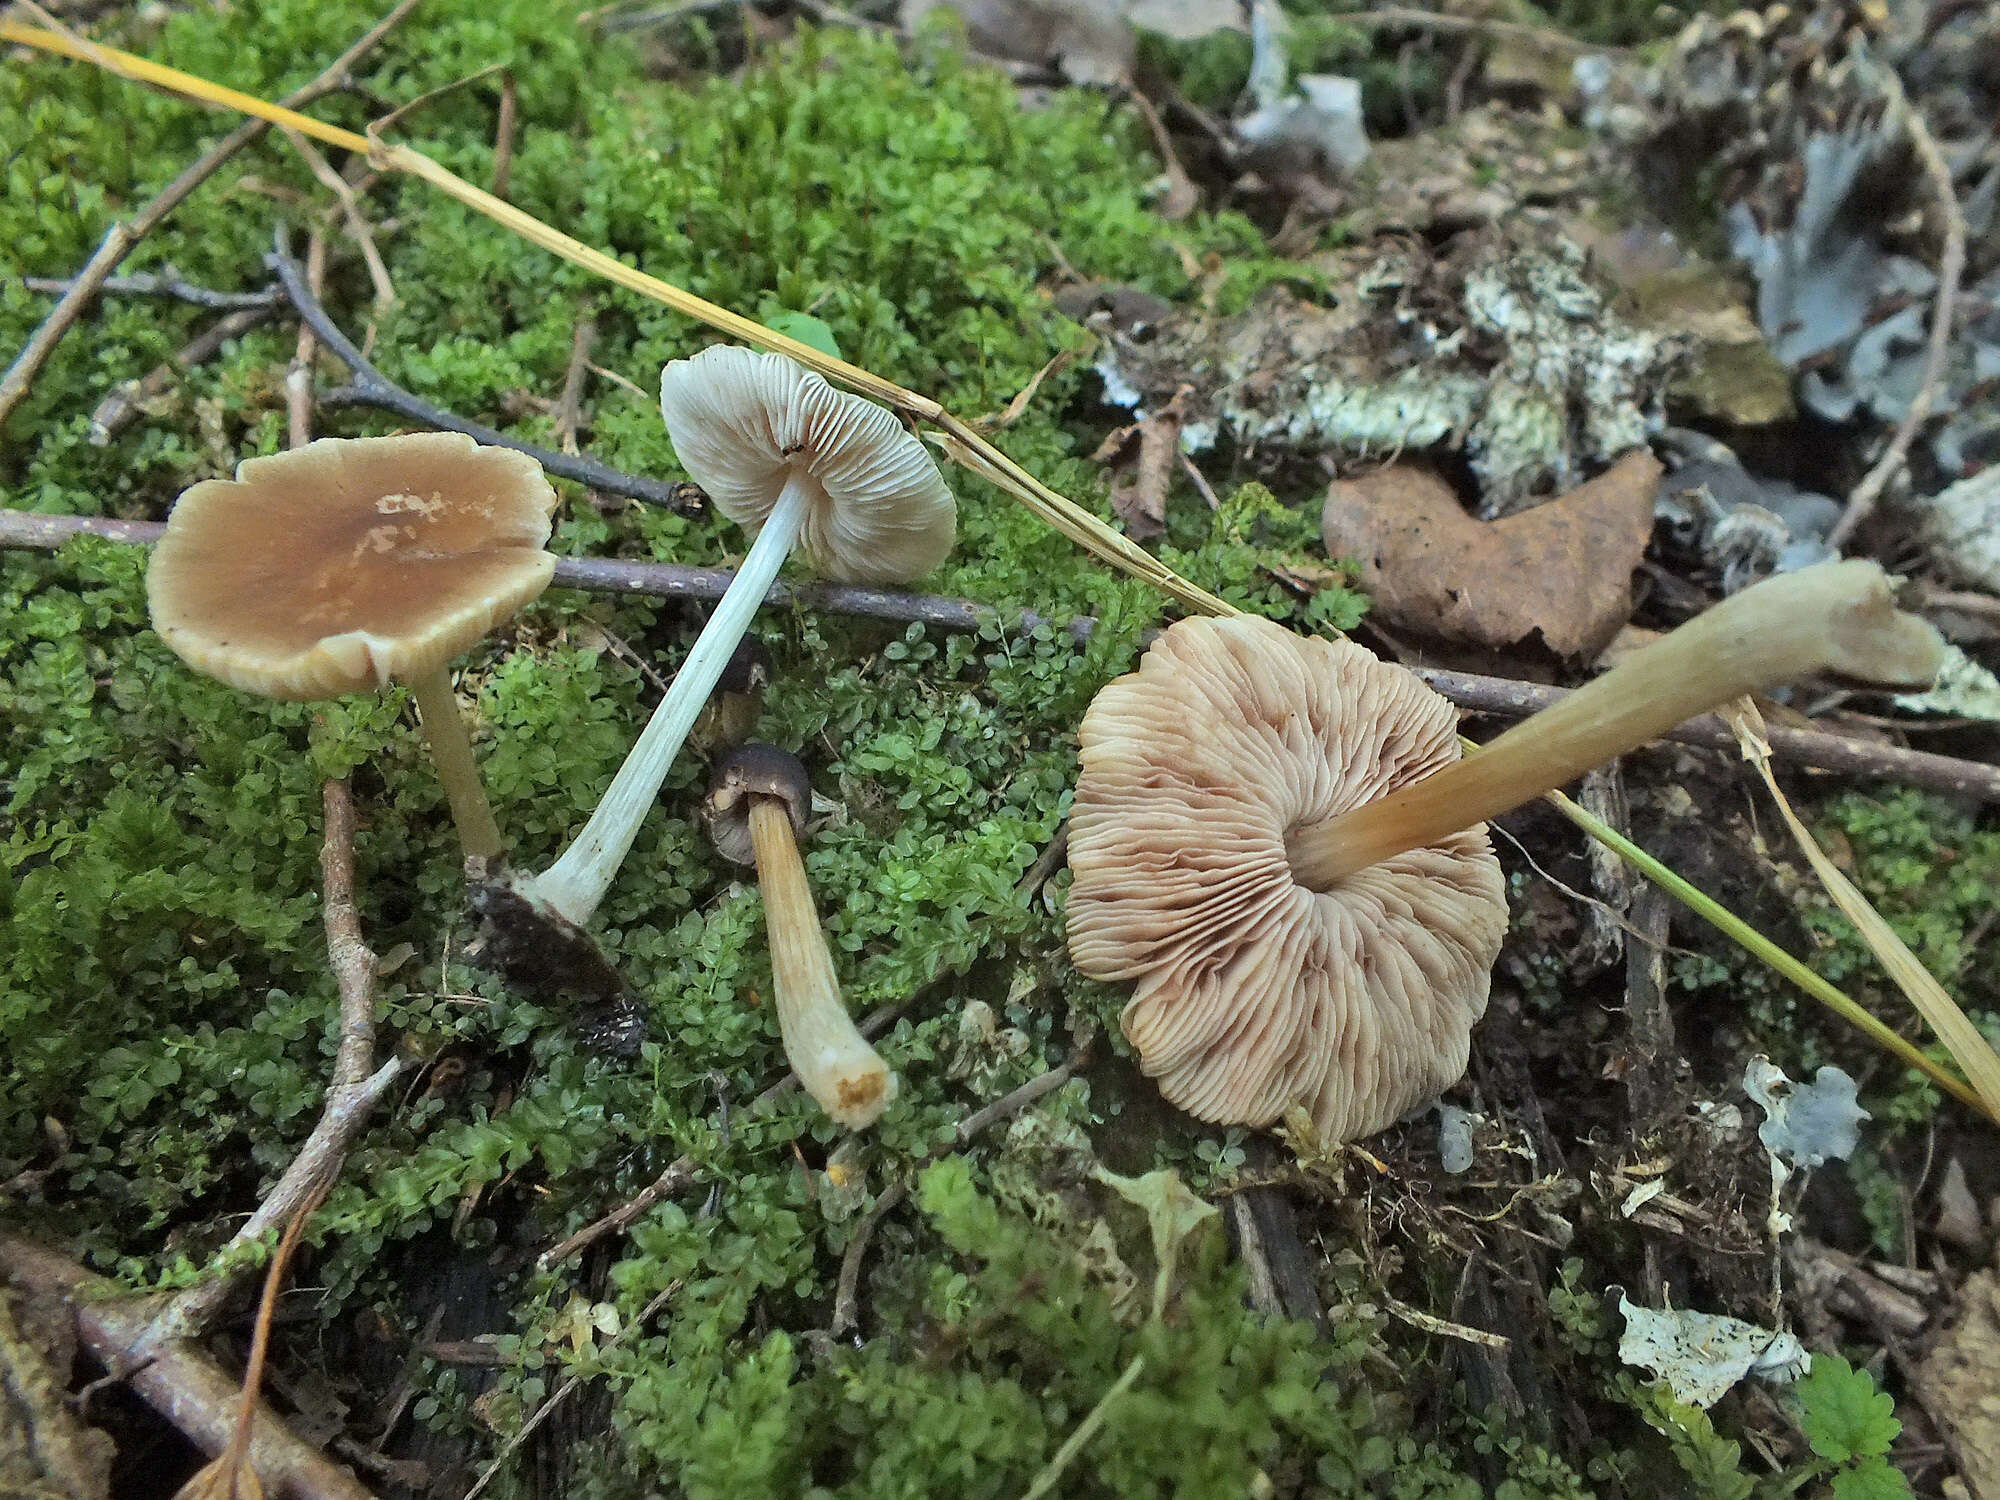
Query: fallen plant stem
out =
(173, 1375)
(1812, 748)
(1951, 268)
(960, 439)
(1970, 1050)
(1769, 953)
(123, 237)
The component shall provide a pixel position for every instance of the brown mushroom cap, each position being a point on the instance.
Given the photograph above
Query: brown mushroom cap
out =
(338, 566)
(1254, 993)
(743, 423)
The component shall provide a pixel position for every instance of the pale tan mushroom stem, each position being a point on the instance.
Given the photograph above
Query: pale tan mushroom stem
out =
(451, 750)
(832, 1059)
(1835, 617)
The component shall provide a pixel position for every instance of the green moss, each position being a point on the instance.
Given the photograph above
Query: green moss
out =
(163, 990)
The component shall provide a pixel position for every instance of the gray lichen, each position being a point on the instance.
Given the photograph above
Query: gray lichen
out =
(1506, 347)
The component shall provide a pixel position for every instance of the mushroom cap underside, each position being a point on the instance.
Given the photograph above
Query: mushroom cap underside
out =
(343, 564)
(1253, 993)
(743, 423)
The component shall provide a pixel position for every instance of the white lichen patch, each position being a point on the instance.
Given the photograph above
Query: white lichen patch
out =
(1701, 1355)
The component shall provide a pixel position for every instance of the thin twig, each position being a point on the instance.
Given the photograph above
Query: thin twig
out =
(847, 1290)
(120, 240)
(568, 415)
(299, 373)
(503, 133)
(576, 1378)
(350, 1100)
(173, 1376)
(1814, 749)
(350, 207)
(122, 406)
(682, 1171)
(1951, 267)
(370, 387)
(166, 284)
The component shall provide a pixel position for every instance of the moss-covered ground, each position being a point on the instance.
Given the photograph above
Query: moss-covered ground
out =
(164, 996)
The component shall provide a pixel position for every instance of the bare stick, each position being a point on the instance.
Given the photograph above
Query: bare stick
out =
(167, 285)
(121, 407)
(370, 387)
(173, 1376)
(1950, 269)
(349, 1102)
(503, 133)
(350, 209)
(299, 373)
(120, 240)
(1811, 748)
(569, 406)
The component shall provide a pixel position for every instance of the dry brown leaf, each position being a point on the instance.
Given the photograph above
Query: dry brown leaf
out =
(1563, 569)
(1140, 494)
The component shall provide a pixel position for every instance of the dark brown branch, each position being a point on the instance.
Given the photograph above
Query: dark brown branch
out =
(172, 1375)
(120, 240)
(370, 387)
(350, 1101)
(1812, 748)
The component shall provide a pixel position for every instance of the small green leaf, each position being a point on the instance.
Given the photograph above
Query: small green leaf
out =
(1871, 1479)
(1844, 1416)
(807, 329)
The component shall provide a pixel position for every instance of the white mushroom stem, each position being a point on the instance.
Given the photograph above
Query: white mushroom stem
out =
(576, 882)
(451, 752)
(832, 1059)
(1835, 617)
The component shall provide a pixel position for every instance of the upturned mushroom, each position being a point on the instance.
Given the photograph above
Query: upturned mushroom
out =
(797, 463)
(757, 807)
(349, 563)
(1276, 840)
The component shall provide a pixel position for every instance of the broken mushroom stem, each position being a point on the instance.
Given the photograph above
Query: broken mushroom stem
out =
(575, 884)
(1838, 617)
(451, 752)
(756, 807)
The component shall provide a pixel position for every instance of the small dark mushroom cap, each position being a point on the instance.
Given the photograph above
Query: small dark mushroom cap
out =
(750, 771)
(748, 669)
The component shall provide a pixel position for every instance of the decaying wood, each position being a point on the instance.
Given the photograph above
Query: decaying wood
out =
(172, 1375)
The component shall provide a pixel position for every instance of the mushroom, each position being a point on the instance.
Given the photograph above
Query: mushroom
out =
(1276, 840)
(783, 454)
(730, 716)
(757, 807)
(347, 563)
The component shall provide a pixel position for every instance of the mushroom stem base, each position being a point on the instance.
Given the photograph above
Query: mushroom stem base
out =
(451, 752)
(833, 1060)
(1835, 617)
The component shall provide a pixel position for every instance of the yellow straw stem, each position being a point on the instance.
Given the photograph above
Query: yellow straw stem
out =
(1072, 520)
